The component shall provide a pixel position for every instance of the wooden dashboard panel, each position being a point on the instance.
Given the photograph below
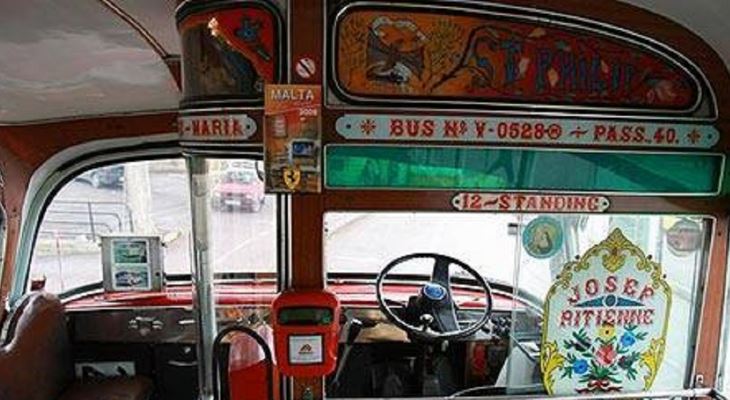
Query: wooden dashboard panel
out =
(153, 324)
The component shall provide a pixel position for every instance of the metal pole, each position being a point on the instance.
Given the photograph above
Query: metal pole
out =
(59, 255)
(202, 276)
(91, 221)
(129, 217)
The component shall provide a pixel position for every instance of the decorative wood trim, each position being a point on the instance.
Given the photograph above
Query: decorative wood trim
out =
(710, 328)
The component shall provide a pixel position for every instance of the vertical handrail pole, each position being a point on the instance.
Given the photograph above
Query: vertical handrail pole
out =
(202, 276)
(91, 221)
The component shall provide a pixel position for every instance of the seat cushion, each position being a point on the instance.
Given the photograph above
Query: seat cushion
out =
(35, 355)
(126, 388)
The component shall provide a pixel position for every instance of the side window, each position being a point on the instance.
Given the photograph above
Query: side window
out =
(153, 198)
(138, 198)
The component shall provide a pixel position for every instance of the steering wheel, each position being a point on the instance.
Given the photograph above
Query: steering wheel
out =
(435, 303)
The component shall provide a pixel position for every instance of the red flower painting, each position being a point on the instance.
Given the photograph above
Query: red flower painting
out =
(604, 361)
(605, 355)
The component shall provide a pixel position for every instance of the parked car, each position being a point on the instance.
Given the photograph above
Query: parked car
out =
(239, 189)
(111, 177)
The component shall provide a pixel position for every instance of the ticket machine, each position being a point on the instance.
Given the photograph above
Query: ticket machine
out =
(306, 331)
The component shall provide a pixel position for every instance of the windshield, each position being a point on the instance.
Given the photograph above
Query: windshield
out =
(501, 249)
(528, 252)
(367, 242)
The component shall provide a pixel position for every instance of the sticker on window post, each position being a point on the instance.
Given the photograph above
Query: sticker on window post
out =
(605, 321)
(304, 350)
(292, 138)
(684, 237)
(543, 237)
(547, 203)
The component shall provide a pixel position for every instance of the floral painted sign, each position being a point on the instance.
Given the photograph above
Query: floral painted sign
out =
(606, 321)
(440, 53)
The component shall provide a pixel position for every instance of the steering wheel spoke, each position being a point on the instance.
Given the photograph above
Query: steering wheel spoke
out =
(440, 273)
(445, 315)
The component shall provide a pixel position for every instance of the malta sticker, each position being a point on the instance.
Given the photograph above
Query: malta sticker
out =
(547, 203)
(605, 322)
(293, 138)
(543, 237)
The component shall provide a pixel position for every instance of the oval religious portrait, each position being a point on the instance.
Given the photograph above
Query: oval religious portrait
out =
(543, 237)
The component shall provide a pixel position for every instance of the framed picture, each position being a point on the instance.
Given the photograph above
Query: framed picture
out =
(132, 263)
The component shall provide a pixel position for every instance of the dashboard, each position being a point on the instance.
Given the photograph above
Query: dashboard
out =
(158, 335)
(177, 324)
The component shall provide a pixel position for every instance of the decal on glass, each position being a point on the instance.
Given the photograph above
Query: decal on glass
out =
(684, 237)
(543, 237)
(445, 54)
(605, 322)
(228, 54)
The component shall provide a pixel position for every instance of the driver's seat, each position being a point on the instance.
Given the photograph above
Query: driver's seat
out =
(36, 361)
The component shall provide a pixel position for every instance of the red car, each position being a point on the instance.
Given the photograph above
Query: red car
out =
(240, 189)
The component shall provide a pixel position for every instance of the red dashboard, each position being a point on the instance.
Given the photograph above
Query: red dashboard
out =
(262, 294)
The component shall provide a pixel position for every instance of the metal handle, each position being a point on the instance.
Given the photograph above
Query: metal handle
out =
(176, 363)
(144, 325)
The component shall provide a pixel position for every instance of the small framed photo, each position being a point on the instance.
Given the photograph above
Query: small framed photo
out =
(132, 263)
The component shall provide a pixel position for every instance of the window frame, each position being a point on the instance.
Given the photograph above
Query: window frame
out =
(723, 353)
(52, 176)
(48, 179)
(696, 297)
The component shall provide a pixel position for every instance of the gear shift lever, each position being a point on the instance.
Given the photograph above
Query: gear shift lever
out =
(352, 330)
(426, 321)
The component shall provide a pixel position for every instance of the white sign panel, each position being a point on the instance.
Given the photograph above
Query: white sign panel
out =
(534, 131)
(221, 127)
(305, 349)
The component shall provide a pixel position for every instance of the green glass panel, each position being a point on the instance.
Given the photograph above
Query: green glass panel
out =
(725, 186)
(462, 168)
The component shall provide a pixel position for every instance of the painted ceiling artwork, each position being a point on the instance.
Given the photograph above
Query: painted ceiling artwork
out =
(229, 53)
(401, 53)
(606, 319)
